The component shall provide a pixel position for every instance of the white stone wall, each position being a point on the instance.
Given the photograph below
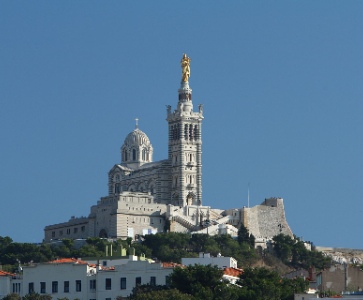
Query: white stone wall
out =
(59, 273)
(5, 286)
(267, 220)
(142, 269)
(73, 229)
(206, 259)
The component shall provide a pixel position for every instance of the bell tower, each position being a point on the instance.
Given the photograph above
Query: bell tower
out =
(185, 145)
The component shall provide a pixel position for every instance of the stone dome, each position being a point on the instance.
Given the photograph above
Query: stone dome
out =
(137, 138)
(136, 150)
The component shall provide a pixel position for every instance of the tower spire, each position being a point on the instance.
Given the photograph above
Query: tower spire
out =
(137, 123)
(185, 144)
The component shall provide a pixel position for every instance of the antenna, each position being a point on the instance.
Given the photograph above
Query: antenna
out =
(248, 196)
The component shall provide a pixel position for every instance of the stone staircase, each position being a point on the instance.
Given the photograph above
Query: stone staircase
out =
(184, 221)
(213, 229)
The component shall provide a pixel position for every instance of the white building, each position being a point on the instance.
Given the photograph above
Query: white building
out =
(77, 279)
(6, 284)
(206, 259)
(61, 278)
(148, 197)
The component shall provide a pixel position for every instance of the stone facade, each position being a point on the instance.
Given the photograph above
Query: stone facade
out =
(340, 278)
(147, 197)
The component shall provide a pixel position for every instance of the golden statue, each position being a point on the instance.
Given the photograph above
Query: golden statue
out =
(185, 64)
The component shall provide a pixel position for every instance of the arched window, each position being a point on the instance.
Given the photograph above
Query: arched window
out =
(143, 154)
(190, 131)
(133, 154)
(186, 131)
(195, 132)
(117, 178)
(178, 132)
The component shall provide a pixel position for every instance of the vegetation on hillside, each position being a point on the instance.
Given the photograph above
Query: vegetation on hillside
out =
(205, 282)
(288, 253)
(193, 282)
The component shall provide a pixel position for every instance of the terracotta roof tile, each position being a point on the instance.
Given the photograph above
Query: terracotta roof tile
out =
(3, 273)
(171, 265)
(232, 272)
(67, 261)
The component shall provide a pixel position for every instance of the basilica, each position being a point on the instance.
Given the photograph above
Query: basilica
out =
(146, 197)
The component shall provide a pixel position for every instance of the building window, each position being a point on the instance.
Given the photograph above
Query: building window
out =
(137, 280)
(78, 286)
(92, 285)
(133, 154)
(108, 284)
(61, 232)
(167, 280)
(75, 230)
(152, 280)
(53, 234)
(31, 288)
(16, 288)
(123, 283)
(66, 287)
(54, 286)
(83, 228)
(42, 288)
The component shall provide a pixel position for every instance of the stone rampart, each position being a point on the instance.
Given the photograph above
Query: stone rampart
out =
(267, 219)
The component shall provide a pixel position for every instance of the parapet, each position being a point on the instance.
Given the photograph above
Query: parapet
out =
(273, 202)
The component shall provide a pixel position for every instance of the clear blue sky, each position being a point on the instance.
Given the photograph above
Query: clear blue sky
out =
(281, 83)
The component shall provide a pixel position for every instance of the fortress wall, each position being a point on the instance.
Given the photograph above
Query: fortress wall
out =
(267, 219)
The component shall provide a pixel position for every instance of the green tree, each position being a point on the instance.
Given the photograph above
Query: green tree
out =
(292, 251)
(12, 296)
(202, 282)
(243, 235)
(4, 242)
(36, 296)
(252, 240)
(283, 245)
(162, 294)
(264, 284)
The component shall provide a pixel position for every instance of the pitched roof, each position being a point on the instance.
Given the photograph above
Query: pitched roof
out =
(232, 272)
(171, 265)
(3, 273)
(67, 261)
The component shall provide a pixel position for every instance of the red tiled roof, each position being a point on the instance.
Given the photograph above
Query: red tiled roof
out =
(171, 265)
(3, 273)
(111, 268)
(232, 272)
(67, 261)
